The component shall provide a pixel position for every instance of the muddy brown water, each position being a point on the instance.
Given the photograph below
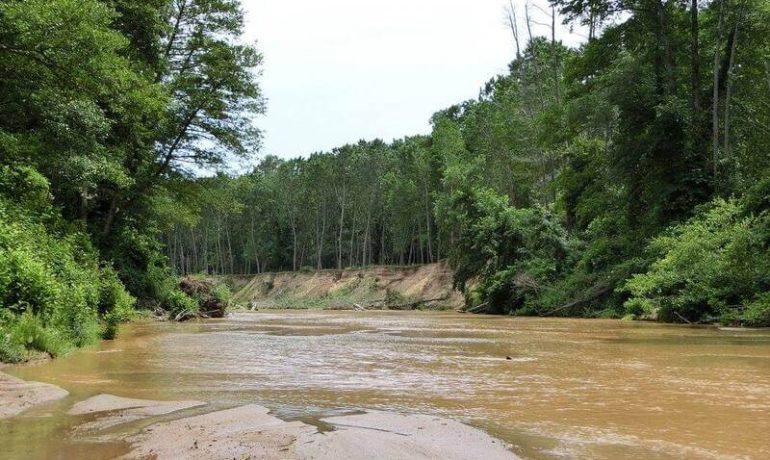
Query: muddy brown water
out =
(571, 388)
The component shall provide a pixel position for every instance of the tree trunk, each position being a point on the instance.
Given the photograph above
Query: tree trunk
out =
(428, 222)
(230, 256)
(694, 61)
(729, 83)
(320, 237)
(513, 24)
(767, 73)
(555, 58)
(294, 244)
(715, 102)
(341, 227)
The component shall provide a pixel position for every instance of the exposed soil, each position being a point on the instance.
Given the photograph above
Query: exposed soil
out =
(427, 286)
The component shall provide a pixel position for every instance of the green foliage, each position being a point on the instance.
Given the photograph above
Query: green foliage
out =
(715, 265)
(545, 192)
(178, 304)
(515, 252)
(198, 296)
(54, 295)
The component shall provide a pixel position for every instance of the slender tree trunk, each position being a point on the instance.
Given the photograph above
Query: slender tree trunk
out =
(715, 102)
(229, 248)
(767, 73)
(555, 57)
(729, 85)
(206, 249)
(513, 24)
(341, 228)
(220, 250)
(529, 21)
(694, 61)
(195, 250)
(419, 240)
(367, 239)
(294, 244)
(664, 40)
(428, 223)
(351, 255)
(320, 238)
(111, 214)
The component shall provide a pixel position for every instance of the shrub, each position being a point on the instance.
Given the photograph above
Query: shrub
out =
(514, 252)
(715, 265)
(757, 311)
(180, 305)
(54, 295)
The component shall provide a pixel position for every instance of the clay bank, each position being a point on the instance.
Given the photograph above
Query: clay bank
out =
(328, 385)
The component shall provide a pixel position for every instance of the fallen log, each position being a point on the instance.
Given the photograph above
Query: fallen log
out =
(482, 307)
(597, 292)
(383, 305)
(414, 304)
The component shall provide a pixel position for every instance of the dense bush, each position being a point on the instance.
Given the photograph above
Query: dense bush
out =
(209, 298)
(54, 294)
(515, 252)
(717, 265)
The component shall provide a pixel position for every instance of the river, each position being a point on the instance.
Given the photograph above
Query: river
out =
(552, 388)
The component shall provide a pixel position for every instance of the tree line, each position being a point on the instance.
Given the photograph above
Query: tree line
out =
(629, 176)
(625, 177)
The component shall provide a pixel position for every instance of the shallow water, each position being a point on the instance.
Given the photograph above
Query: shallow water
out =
(571, 388)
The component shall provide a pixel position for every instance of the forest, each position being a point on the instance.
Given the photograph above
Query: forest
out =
(628, 177)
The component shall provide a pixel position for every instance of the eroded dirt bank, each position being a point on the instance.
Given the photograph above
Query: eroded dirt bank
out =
(398, 288)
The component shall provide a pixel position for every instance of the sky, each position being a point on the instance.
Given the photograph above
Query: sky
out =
(338, 71)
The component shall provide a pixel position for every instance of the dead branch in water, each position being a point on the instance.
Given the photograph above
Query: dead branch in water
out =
(382, 305)
(482, 307)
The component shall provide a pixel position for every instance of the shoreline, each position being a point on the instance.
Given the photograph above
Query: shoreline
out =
(251, 431)
(17, 395)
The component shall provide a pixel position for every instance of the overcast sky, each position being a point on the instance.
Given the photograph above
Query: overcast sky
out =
(337, 71)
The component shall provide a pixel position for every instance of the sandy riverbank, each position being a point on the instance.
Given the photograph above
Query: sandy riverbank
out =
(251, 432)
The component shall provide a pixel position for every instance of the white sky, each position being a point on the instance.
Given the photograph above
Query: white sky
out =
(337, 71)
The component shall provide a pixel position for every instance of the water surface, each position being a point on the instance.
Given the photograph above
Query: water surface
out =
(552, 388)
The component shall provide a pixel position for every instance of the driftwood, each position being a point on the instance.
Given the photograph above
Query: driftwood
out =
(185, 315)
(413, 305)
(682, 318)
(598, 291)
(482, 307)
(383, 305)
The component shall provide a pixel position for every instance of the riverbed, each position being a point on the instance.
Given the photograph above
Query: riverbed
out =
(549, 388)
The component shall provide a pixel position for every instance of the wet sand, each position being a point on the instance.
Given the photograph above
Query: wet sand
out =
(251, 432)
(16, 395)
